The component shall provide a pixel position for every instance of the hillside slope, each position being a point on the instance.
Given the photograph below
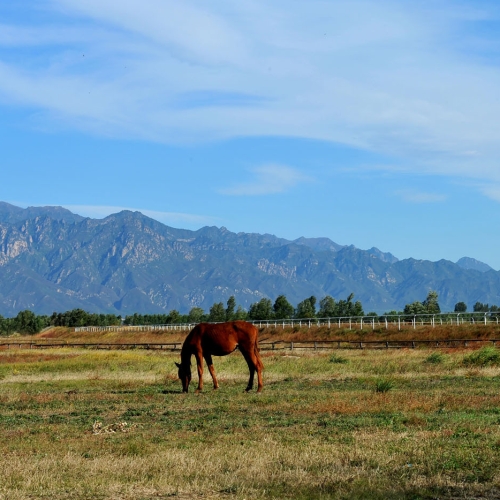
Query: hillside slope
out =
(53, 260)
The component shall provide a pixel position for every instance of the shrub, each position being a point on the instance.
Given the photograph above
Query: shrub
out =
(435, 358)
(483, 357)
(383, 385)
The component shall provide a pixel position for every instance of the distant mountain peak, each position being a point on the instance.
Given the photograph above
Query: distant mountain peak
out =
(318, 244)
(12, 214)
(384, 256)
(476, 265)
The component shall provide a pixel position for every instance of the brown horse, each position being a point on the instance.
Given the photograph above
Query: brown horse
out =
(206, 340)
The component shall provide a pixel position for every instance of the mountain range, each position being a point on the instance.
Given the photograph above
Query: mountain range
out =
(54, 260)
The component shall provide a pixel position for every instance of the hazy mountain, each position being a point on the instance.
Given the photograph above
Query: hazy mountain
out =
(469, 263)
(53, 260)
(12, 214)
(318, 244)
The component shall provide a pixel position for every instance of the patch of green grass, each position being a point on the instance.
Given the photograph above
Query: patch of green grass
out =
(318, 430)
(335, 358)
(383, 385)
(485, 356)
(435, 358)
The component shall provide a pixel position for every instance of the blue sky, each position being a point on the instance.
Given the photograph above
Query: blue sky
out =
(373, 123)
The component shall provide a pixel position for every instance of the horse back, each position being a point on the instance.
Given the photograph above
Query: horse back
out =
(222, 338)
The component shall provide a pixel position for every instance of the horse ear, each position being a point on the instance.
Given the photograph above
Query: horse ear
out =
(177, 364)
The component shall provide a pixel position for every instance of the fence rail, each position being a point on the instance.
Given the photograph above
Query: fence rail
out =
(278, 345)
(389, 321)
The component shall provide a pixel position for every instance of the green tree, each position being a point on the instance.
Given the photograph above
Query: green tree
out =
(480, 307)
(429, 306)
(460, 307)
(240, 314)
(27, 322)
(347, 308)
(196, 315)
(231, 306)
(7, 326)
(431, 303)
(282, 308)
(174, 316)
(261, 310)
(217, 313)
(327, 307)
(415, 308)
(306, 308)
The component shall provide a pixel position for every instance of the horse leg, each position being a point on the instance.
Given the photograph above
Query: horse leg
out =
(251, 368)
(259, 367)
(211, 369)
(199, 365)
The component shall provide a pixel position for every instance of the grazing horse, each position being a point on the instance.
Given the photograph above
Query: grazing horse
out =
(206, 340)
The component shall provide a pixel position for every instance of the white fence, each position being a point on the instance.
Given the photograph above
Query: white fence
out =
(398, 321)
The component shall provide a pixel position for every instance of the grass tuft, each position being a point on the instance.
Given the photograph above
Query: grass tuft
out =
(383, 385)
(335, 358)
(487, 356)
(435, 358)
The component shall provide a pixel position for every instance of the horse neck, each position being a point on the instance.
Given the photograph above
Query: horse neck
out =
(186, 355)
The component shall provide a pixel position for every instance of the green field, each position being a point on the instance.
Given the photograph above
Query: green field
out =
(79, 424)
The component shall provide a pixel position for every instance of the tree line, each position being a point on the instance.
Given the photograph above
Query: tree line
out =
(27, 322)
(264, 309)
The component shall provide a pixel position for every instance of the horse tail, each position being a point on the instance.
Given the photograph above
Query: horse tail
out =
(257, 354)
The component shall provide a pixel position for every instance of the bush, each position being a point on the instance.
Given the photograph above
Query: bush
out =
(383, 385)
(483, 357)
(435, 358)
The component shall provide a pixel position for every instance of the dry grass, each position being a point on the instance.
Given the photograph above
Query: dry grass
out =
(287, 334)
(114, 425)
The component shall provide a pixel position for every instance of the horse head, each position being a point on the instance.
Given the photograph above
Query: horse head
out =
(184, 375)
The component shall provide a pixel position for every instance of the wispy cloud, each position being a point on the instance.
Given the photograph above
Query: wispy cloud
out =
(101, 211)
(412, 80)
(413, 196)
(267, 179)
(491, 191)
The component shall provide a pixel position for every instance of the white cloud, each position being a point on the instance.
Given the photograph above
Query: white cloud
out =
(101, 211)
(413, 196)
(268, 179)
(491, 191)
(397, 78)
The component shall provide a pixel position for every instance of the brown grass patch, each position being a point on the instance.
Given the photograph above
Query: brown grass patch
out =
(24, 356)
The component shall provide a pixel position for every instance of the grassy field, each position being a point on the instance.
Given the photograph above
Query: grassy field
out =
(79, 424)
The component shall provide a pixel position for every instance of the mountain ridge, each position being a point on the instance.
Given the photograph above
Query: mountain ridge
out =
(54, 260)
